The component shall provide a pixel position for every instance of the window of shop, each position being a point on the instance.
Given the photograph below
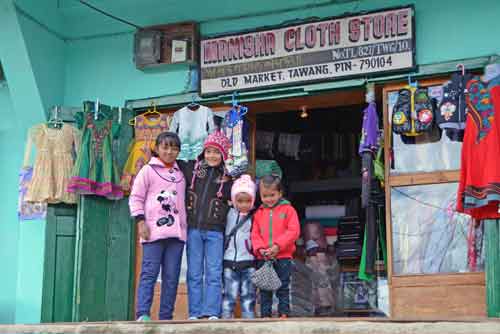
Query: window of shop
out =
(436, 254)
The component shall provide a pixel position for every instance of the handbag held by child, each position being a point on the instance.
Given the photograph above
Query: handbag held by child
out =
(266, 278)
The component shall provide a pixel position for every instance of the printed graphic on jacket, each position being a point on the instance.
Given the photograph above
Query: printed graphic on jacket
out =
(167, 201)
(453, 107)
(413, 113)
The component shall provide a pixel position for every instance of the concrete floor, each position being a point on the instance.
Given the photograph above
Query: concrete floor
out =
(266, 326)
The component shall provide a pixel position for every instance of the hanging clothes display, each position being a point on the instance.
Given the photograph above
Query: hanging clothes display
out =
(146, 129)
(367, 147)
(95, 171)
(53, 163)
(236, 128)
(452, 109)
(289, 145)
(28, 210)
(264, 143)
(479, 188)
(193, 126)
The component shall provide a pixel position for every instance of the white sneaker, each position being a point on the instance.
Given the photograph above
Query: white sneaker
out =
(213, 317)
(193, 318)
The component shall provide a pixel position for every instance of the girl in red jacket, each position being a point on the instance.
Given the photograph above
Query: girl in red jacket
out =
(274, 232)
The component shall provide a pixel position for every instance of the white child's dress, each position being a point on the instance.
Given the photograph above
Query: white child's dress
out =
(193, 127)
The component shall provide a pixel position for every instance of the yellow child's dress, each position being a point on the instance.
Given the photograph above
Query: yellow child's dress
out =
(146, 130)
(53, 163)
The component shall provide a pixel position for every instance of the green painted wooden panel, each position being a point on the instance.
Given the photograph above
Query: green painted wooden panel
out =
(492, 234)
(92, 254)
(65, 261)
(105, 251)
(57, 301)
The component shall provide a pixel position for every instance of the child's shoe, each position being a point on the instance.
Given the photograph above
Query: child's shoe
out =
(213, 317)
(144, 318)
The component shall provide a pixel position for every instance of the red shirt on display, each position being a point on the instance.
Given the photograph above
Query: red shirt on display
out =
(479, 188)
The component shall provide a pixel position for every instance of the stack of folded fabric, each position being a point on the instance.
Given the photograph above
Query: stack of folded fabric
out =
(325, 211)
(349, 239)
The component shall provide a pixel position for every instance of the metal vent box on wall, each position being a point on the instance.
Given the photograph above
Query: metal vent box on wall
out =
(166, 44)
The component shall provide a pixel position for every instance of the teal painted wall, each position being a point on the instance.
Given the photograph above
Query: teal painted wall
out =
(33, 60)
(47, 55)
(9, 227)
(103, 68)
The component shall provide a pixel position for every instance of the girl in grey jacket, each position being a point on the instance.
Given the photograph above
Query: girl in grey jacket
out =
(239, 262)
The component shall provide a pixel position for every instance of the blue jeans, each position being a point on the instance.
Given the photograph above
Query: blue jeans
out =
(238, 282)
(167, 254)
(283, 268)
(204, 274)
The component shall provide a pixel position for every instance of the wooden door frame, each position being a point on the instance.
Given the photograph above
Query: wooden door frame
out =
(414, 179)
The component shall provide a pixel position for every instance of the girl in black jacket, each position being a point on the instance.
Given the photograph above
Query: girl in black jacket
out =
(208, 195)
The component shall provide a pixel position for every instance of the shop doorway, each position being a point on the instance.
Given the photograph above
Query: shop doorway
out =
(314, 141)
(318, 156)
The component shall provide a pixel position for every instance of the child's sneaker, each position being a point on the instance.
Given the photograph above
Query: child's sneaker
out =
(193, 318)
(283, 316)
(144, 318)
(213, 317)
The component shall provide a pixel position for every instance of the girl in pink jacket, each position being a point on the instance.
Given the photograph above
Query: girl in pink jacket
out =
(157, 205)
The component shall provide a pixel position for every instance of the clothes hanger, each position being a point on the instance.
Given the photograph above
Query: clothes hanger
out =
(236, 106)
(413, 84)
(149, 112)
(55, 122)
(193, 105)
(96, 110)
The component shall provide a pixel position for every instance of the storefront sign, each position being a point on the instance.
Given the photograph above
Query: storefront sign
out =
(336, 48)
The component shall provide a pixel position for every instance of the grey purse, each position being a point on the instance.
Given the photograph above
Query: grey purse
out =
(266, 278)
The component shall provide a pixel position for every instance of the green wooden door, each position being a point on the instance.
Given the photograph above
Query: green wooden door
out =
(492, 236)
(58, 274)
(105, 250)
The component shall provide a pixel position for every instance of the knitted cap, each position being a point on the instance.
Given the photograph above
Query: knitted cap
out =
(218, 140)
(244, 184)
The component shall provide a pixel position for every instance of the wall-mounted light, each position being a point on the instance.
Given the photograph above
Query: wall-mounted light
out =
(304, 113)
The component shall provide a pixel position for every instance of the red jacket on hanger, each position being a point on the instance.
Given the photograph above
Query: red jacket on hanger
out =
(479, 189)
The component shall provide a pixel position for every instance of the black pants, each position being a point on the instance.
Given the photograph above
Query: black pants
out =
(283, 268)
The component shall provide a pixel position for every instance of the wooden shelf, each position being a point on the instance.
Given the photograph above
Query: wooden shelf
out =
(344, 183)
(358, 311)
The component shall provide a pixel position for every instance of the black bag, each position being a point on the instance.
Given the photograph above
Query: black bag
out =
(413, 113)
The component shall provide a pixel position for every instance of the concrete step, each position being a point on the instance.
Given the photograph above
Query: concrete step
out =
(266, 326)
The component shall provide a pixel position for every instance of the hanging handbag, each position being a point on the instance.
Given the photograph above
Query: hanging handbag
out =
(266, 278)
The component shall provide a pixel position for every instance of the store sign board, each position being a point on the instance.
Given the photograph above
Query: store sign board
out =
(336, 48)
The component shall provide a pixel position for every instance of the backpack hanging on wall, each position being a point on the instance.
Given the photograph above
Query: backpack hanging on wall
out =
(413, 113)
